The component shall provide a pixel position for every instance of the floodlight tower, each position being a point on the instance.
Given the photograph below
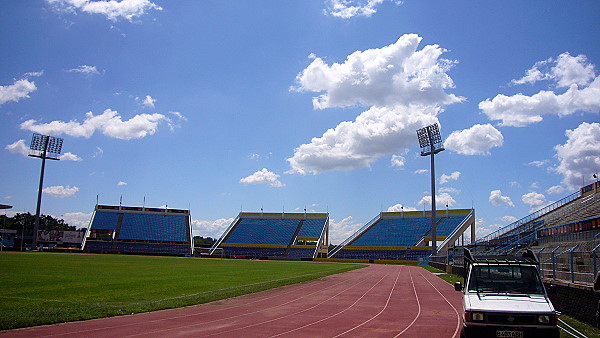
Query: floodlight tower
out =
(44, 147)
(431, 143)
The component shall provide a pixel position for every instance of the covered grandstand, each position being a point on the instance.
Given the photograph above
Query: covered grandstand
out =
(139, 230)
(405, 235)
(275, 235)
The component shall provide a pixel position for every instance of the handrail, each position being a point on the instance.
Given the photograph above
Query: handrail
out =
(218, 242)
(354, 235)
(321, 239)
(530, 217)
(457, 229)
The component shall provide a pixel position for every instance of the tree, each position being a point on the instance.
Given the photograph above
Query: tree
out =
(24, 222)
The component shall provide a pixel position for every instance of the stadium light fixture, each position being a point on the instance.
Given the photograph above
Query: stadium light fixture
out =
(430, 141)
(44, 147)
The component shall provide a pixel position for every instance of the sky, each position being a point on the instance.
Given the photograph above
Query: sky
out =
(228, 106)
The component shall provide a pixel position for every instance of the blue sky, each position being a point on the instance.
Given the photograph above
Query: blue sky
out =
(223, 107)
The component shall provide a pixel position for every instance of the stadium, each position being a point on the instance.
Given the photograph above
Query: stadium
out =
(564, 235)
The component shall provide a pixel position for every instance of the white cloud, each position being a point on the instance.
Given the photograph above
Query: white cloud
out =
(340, 231)
(346, 9)
(497, 199)
(446, 178)
(580, 155)
(555, 190)
(148, 101)
(85, 70)
(449, 190)
(397, 74)
(109, 123)
(18, 147)
(263, 176)
(534, 200)
(538, 163)
(397, 161)
(77, 219)
(112, 10)
(441, 201)
(121, 183)
(508, 219)
(70, 157)
(212, 229)
(20, 89)
(60, 191)
(399, 207)
(404, 87)
(574, 73)
(421, 171)
(566, 70)
(477, 140)
(351, 145)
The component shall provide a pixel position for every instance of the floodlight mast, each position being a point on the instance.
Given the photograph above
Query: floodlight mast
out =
(431, 143)
(44, 147)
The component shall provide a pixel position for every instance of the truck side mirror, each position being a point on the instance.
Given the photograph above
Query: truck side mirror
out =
(458, 286)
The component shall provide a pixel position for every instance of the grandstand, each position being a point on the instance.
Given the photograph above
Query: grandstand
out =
(139, 230)
(404, 235)
(565, 235)
(276, 235)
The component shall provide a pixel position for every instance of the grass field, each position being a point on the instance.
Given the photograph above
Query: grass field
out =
(44, 288)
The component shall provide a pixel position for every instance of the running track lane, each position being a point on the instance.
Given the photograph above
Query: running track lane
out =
(377, 301)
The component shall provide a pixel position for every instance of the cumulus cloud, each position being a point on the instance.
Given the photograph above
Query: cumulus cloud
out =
(70, 157)
(387, 76)
(574, 73)
(565, 71)
(109, 123)
(18, 147)
(404, 87)
(446, 178)
(441, 201)
(121, 183)
(346, 9)
(341, 230)
(421, 171)
(20, 89)
(148, 101)
(399, 207)
(212, 229)
(508, 219)
(60, 191)
(534, 200)
(497, 199)
(555, 190)
(477, 140)
(580, 155)
(356, 144)
(263, 176)
(85, 70)
(113, 10)
(397, 161)
(77, 219)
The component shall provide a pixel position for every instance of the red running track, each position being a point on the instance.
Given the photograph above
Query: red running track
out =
(376, 301)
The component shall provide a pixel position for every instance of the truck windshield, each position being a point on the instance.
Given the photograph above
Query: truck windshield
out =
(505, 278)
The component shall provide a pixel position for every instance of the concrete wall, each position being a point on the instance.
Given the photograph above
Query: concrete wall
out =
(579, 302)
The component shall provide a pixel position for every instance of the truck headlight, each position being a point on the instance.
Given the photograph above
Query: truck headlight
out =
(473, 316)
(547, 319)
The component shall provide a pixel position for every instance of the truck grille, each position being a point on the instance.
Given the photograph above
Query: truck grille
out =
(501, 318)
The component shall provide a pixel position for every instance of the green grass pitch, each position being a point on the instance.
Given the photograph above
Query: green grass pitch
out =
(44, 288)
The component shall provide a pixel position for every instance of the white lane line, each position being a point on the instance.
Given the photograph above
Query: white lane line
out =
(380, 312)
(418, 303)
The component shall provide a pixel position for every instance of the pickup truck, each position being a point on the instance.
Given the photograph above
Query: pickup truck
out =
(504, 296)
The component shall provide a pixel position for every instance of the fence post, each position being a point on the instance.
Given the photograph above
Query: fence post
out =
(571, 262)
(594, 259)
(554, 263)
(539, 257)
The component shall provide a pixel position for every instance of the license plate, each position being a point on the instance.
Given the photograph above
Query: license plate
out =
(509, 334)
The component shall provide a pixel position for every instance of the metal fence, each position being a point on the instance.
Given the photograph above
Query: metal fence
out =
(573, 264)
